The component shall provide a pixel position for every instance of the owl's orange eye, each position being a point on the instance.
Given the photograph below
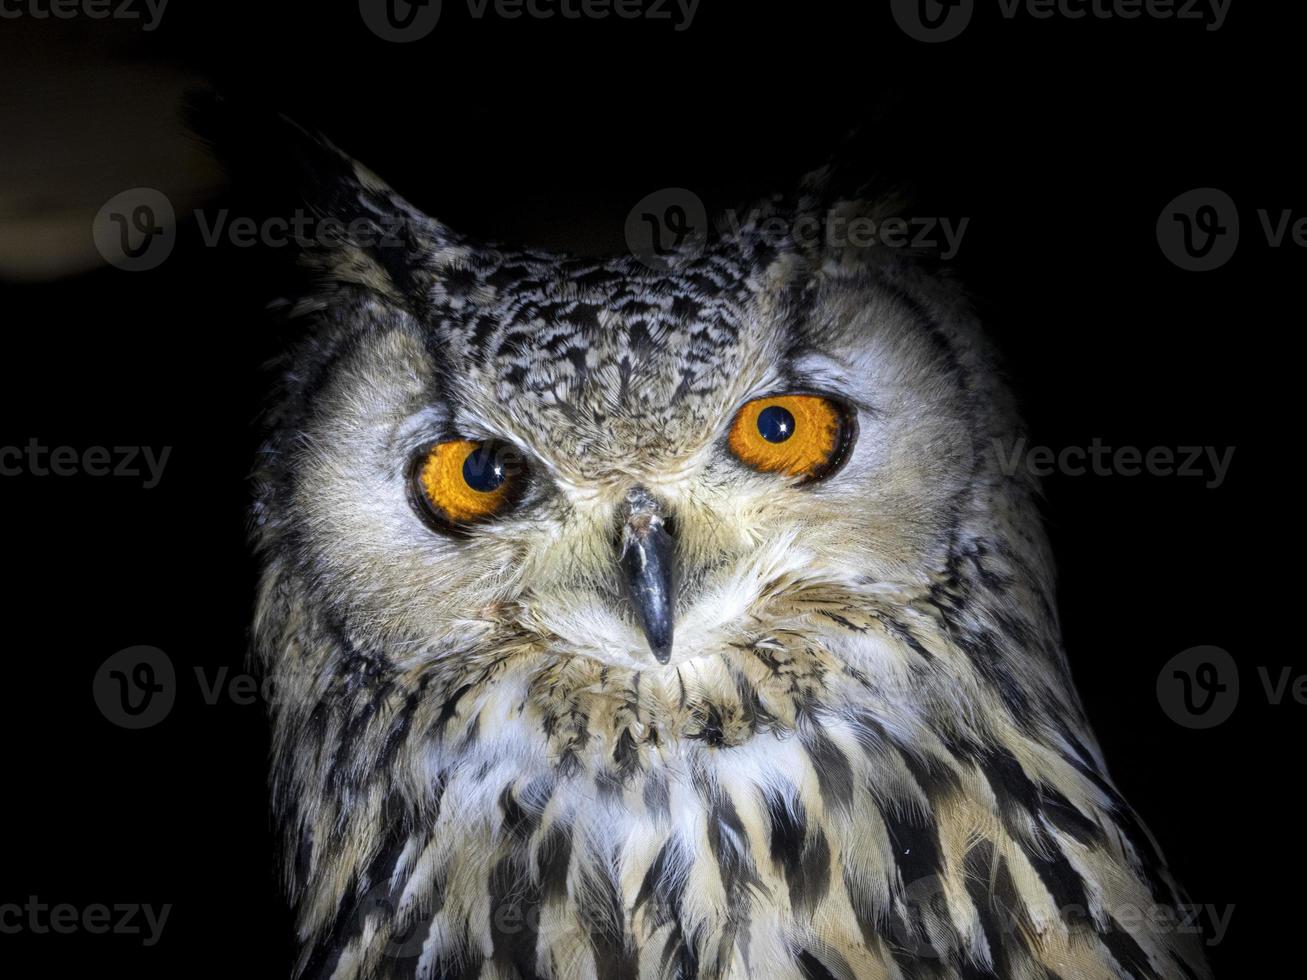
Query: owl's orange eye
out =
(797, 435)
(461, 482)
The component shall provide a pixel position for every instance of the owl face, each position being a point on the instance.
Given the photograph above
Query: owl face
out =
(598, 459)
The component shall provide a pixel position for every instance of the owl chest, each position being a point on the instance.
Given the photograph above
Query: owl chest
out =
(718, 859)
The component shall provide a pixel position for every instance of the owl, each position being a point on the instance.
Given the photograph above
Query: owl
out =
(674, 619)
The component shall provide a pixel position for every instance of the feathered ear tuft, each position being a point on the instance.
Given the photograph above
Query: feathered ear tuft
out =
(847, 212)
(348, 225)
(857, 206)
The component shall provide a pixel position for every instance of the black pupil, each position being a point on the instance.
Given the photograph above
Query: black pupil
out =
(483, 470)
(775, 424)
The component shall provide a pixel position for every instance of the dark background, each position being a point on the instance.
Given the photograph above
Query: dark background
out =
(1061, 140)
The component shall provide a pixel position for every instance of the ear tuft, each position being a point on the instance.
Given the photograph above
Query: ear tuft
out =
(349, 225)
(845, 213)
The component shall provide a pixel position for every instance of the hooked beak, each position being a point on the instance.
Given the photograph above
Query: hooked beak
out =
(648, 560)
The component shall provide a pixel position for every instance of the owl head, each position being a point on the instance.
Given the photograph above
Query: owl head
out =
(590, 579)
(637, 462)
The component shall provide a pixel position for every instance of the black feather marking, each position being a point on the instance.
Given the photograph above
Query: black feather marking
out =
(514, 915)
(801, 852)
(1150, 861)
(729, 843)
(1185, 968)
(834, 774)
(1126, 951)
(914, 966)
(600, 907)
(399, 728)
(1124, 818)
(842, 621)
(787, 831)
(904, 635)
(1013, 789)
(994, 907)
(661, 885)
(327, 951)
(1066, 817)
(447, 711)
(755, 713)
(1059, 877)
(553, 858)
(519, 822)
(656, 797)
(812, 968)
(914, 839)
(354, 907)
(683, 952)
(608, 783)
(463, 963)
(935, 777)
(626, 754)
(711, 729)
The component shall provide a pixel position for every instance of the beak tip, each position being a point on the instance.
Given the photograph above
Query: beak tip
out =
(662, 649)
